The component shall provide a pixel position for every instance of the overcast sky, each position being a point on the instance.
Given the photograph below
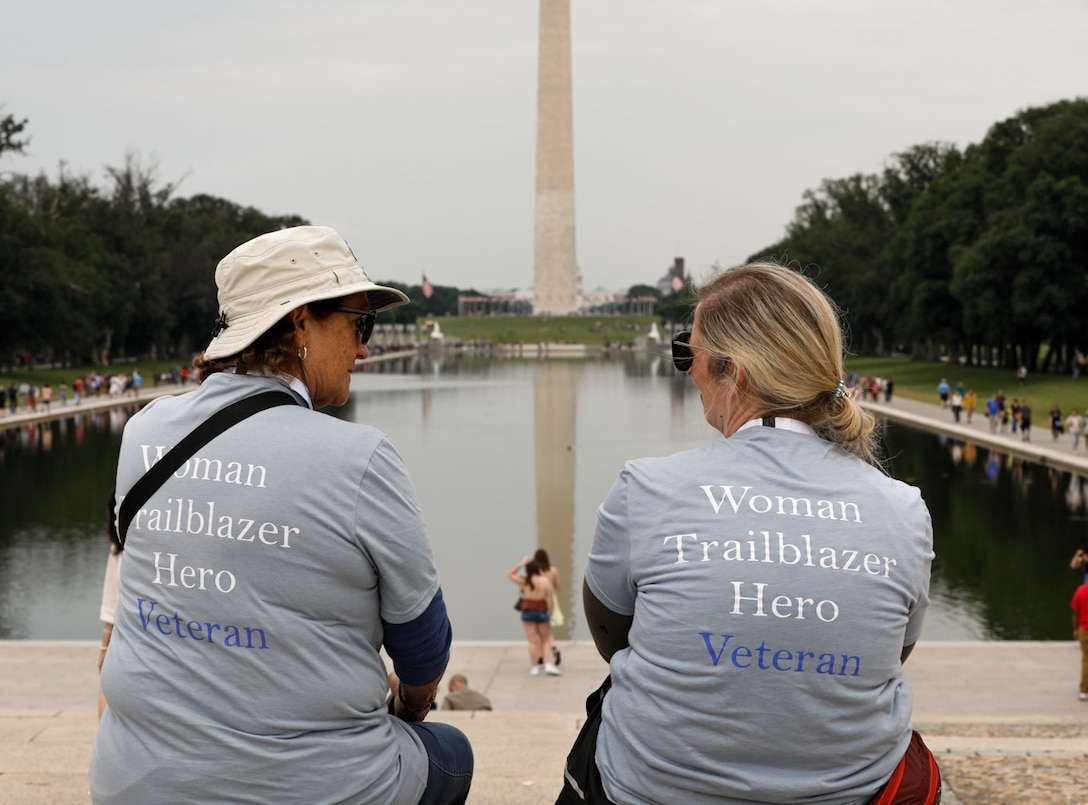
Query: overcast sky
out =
(409, 125)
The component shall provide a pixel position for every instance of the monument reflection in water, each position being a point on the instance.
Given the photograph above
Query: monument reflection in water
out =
(508, 456)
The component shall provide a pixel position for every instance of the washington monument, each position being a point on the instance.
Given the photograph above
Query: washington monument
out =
(555, 271)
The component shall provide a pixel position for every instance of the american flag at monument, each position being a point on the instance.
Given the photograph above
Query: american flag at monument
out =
(428, 289)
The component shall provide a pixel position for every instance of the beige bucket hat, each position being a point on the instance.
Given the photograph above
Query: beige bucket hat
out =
(266, 278)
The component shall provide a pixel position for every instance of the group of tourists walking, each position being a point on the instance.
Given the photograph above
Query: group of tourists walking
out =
(1017, 417)
(32, 397)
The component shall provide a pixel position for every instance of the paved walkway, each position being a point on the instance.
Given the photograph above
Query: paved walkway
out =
(1042, 448)
(88, 406)
(1002, 717)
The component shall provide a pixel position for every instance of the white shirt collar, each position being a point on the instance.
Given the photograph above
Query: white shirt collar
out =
(780, 423)
(296, 385)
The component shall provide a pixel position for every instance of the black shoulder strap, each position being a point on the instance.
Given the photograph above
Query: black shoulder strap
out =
(162, 469)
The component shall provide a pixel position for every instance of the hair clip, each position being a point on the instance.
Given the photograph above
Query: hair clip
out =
(840, 389)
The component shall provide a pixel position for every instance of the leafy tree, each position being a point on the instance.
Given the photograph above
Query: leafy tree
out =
(926, 314)
(636, 291)
(838, 236)
(981, 252)
(1022, 269)
(10, 129)
(910, 173)
(48, 282)
(677, 308)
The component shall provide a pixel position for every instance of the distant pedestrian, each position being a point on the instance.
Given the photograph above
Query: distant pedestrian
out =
(993, 411)
(878, 384)
(47, 396)
(1022, 374)
(1015, 407)
(535, 605)
(1025, 421)
(1080, 562)
(970, 402)
(943, 390)
(1080, 634)
(63, 389)
(13, 397)
(957, 405)
(1057, 424)
(1074, 423)
(889, 385)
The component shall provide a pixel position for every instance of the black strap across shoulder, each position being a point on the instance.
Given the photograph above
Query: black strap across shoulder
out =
(215, 424)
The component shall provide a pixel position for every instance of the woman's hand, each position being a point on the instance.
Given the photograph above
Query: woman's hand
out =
(513, 574)
(107, 633)
(410, 702)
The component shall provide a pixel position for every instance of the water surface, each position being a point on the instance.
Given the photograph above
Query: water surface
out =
(507, 456)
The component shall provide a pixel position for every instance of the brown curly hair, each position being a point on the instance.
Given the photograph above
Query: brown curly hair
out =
(275, 350)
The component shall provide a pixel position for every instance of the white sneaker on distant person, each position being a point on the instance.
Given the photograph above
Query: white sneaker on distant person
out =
(551, 670)
(534, 670)
(1082, 696)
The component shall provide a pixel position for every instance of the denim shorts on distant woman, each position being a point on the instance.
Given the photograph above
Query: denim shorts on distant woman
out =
(534, 616)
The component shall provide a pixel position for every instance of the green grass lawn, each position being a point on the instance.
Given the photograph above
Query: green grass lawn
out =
(538, 329)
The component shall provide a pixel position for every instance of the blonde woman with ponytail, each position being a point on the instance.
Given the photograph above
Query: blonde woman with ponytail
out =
(756, 597)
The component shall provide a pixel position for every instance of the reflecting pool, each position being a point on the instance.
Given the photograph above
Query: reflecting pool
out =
(508, 456)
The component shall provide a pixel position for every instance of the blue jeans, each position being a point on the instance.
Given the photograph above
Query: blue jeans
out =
(450, 762)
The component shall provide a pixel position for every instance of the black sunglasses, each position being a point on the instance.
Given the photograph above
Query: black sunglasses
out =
(364, 326)
(682, 356)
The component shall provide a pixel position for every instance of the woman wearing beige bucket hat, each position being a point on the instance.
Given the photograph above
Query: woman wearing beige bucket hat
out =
(270, 554)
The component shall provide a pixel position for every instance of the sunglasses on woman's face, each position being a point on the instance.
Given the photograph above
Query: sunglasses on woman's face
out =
(682, 356)
(364, 325)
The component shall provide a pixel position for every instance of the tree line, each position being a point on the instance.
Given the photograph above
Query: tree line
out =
(89, 273)
(980, 254)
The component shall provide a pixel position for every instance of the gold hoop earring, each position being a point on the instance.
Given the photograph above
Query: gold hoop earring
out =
(302, 354)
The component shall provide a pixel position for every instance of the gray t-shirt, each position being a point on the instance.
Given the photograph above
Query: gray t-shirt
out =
(244, 666)
(774, 581)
